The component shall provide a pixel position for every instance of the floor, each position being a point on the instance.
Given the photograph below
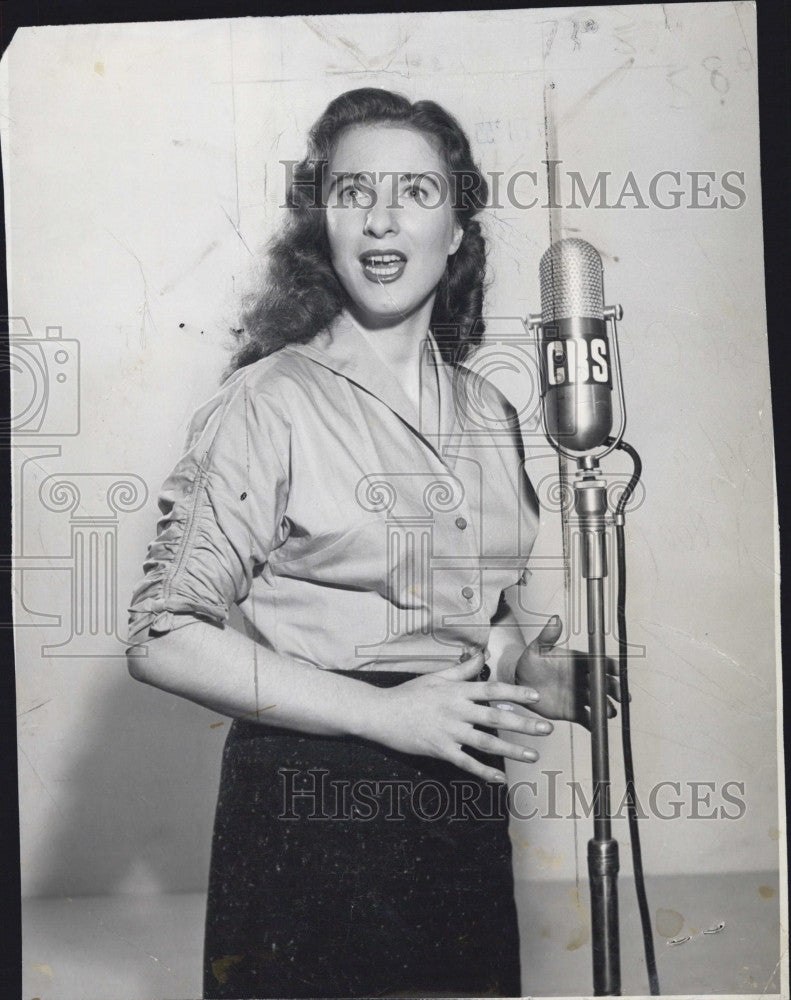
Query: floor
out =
(743, 957)
(113, 947)
(149, 947)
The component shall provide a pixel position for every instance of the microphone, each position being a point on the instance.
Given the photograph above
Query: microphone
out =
(577, 370)
(575, 359)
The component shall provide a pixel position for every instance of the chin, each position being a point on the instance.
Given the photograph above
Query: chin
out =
(375, 319)
(386, 304)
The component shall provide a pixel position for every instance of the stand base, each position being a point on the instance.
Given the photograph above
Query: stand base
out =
(603, 872)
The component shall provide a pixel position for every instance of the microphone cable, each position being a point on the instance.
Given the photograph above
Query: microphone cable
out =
(626, 736)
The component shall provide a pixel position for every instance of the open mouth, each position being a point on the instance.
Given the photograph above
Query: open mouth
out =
(385, 266)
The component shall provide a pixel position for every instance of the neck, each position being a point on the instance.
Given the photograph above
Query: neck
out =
(399, 343)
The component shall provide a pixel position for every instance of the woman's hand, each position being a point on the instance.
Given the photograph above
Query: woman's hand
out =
(435, 715)
(562, 677)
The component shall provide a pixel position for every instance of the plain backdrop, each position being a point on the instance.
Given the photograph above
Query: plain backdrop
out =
(143, 175)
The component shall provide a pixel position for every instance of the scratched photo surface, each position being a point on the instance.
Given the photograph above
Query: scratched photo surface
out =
(145, 167)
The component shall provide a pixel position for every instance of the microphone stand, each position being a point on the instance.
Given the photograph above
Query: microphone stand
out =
(590, 505)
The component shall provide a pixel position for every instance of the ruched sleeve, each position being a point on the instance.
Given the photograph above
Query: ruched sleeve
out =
(223, 511)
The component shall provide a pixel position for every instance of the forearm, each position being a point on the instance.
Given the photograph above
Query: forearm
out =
(506, 644)
(229, 673)
(508, 640)
(434, 714)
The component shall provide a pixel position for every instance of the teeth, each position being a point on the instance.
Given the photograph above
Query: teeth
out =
(387, 258)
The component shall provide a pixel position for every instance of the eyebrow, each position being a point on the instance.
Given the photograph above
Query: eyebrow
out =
(337, 178)
(428, 175)
(425, 175)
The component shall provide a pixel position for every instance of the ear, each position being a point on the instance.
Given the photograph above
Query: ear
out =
(458, 235)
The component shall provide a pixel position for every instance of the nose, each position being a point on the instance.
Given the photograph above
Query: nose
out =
(380, 220)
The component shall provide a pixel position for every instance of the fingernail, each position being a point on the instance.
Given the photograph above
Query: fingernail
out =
(501, 778)
(544, 727)
(530, 755)
(531, 695)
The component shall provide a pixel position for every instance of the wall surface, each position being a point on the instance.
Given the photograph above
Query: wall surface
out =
(142, 177)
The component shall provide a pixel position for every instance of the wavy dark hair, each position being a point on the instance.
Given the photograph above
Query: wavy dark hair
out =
(301, 293)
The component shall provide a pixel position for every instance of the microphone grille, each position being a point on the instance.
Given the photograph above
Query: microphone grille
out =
(571, 281)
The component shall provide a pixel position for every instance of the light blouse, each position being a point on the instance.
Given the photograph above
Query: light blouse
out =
(351, 535)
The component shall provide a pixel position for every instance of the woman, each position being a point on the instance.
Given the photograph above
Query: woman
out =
(361, 497)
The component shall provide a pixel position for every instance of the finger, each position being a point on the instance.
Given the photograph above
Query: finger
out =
(549, 634)
(500, 691)
(467, 763)
(585, 718)
(499, 747)
(613, 693)
(504, 716)
(614, 688)
(464, 670)
(586, 665)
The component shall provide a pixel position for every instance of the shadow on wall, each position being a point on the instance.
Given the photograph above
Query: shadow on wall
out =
(139, 805)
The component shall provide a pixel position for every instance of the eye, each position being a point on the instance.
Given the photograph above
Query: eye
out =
(356, 196)
(421, 190)
(415, 192)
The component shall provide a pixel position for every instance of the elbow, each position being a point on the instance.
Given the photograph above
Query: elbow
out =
(160, 660)
(138, 663)
(147, 662)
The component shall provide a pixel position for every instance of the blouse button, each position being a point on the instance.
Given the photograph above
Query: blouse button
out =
(461, 523)
(467, 593)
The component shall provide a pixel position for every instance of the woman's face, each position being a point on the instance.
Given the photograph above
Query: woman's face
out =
(390, 223)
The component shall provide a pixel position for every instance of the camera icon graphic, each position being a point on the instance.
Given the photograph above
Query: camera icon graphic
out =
(45, 382)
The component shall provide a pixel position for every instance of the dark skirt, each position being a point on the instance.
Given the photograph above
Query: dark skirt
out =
(341, 868)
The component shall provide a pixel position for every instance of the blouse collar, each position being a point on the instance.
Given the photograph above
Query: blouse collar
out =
(345, 350)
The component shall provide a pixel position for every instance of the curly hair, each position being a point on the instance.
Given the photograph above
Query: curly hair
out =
(301, 293)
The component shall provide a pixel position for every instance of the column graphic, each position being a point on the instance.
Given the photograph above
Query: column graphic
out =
(410, 547)
(93, 502)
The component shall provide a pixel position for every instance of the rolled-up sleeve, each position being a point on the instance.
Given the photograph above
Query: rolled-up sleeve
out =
(223, 510)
